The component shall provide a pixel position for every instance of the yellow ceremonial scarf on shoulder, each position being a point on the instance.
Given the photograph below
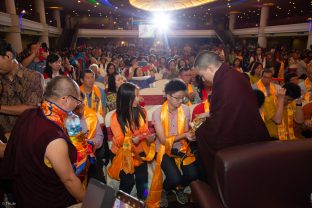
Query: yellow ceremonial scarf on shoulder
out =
(96, 99)
(154, 196)
(206, 105)
(287, 133)
(125, 158)
(91, 121)
(307, 96)
(272, 93)
(281, 70)
(253, 78)
(262, 88)
(189, 90)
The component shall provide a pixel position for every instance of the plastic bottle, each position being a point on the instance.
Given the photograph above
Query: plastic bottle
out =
(72, 124)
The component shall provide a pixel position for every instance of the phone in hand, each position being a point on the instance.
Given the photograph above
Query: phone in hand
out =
(124, 200)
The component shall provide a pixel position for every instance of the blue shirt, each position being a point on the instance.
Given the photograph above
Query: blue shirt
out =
(37, 66)
(103, 98)
(143, 83)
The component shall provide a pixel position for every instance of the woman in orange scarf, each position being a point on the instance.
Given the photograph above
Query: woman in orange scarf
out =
(133, 144)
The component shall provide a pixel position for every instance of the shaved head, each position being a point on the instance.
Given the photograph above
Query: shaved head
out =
(61, 86)
(206, 65)
(205, 59)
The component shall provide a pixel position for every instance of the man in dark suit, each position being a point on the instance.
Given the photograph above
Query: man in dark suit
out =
(234, 117)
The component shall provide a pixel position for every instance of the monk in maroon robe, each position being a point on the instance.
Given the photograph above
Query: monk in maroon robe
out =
(234, 116)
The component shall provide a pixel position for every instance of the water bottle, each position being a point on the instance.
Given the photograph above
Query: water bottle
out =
(72, 124)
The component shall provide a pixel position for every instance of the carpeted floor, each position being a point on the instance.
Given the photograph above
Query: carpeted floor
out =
(173, 203)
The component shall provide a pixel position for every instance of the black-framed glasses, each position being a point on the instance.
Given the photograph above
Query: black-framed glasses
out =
(76, 99)
(177, 98)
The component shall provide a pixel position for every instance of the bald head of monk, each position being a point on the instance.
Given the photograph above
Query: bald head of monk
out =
(207, 64)
(64, 92)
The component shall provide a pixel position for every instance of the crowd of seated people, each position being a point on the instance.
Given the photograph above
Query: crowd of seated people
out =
(110, 80)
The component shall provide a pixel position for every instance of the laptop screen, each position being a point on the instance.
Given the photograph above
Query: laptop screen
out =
(98, 195)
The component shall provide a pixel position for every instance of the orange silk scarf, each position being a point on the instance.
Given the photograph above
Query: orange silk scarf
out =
(283, 134)
(308, 86)
(189, 90)
(154, 196)
(125, 158)
(91, 121)
(206, 105)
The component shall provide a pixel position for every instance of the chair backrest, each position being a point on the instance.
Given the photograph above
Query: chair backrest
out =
(152, 96)
(151, 91)
(100, 85)
(158, 76)
(271, 174)
(161, 83)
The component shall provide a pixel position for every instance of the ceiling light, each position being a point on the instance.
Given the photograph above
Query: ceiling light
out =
(161, 21)
(161, 5)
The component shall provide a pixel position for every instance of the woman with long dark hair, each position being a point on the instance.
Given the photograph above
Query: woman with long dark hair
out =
(53, 67)
(237, 65)
(111, 69)
(133, 144)
(114, 82)
(182, 64)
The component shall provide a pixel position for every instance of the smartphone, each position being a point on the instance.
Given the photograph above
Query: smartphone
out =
(124, 200)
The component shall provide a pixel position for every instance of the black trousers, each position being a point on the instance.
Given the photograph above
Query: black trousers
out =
(102, 156)
(174, 177)
(139, 179)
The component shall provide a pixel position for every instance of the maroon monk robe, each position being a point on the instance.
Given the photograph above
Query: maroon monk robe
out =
(35, 184)
(234, 117)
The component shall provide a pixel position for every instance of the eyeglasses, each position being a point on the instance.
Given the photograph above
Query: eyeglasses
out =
(76, 99)
(177, 98)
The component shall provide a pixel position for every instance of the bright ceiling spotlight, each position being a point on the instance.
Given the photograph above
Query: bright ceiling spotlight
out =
(167, 5)
(161, 21)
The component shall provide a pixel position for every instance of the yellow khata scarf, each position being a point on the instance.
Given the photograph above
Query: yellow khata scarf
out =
(307, 95)
(154, 196)
(95, 98)
(125, 158)
(189, 90)
(91, 121)
(283, 134)
(261, 87)
(206, 105)
(281, 70)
